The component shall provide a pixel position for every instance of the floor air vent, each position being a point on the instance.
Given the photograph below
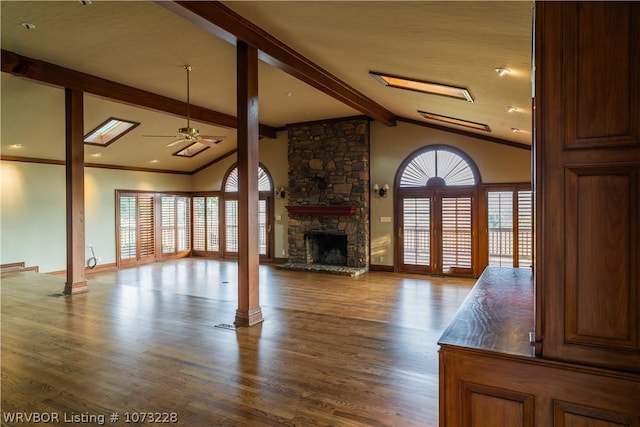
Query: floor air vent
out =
(226, 326)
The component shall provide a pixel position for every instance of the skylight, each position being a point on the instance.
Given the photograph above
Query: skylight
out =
(192, 150)
(454, 121)
(109, 131)
(422, 86)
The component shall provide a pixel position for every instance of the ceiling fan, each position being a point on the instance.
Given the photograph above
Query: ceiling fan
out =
(189, 134)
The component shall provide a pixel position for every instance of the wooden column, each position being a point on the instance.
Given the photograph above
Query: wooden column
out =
(249, 311)
(74, 128)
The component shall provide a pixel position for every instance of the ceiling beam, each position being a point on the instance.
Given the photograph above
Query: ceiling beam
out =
(45, 72)
(223, 22)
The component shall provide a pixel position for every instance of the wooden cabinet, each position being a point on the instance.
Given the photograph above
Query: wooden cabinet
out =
(587, 157)
(585, 296)
(490, 376)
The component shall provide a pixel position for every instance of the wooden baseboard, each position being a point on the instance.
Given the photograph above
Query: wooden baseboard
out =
(17, 266)
(102, 267)
(98, 268)
(378, 267)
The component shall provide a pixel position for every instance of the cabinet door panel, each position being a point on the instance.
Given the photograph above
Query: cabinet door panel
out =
(587, 152)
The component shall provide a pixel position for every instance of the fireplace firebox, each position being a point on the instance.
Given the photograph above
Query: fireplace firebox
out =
(326, 249)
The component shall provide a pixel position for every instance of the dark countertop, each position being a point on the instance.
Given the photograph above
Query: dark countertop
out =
(497, 315)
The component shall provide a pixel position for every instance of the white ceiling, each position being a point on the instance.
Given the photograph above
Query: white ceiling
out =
(144, 45)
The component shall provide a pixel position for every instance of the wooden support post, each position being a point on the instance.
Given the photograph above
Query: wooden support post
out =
(249, 311)
(74, 127)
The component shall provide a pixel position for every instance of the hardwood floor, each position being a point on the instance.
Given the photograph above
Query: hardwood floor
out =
(333, 350)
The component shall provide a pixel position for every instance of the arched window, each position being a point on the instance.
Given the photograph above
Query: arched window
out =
(437, 166)
(265, 212)
(436, 188)
(264, 180)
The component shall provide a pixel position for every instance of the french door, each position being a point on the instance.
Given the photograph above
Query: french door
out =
(436, 232)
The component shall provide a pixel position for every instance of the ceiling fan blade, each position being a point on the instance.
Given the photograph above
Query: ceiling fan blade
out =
(176, 142)
(209, 142)
(213, 138)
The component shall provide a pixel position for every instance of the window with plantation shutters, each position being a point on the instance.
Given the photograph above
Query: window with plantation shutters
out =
(136, 227)
(436, 190)
(525, 229)
(416, 231)
(206, 223)
(175, 226)
(262, 227)
(213, 224)
(168, 224)
(144, 218)
(146, 227)
(456, 233)
(127, 229)
(265, 188)
(199, 224)
(183, 224)
(510, 228)
(231, 225)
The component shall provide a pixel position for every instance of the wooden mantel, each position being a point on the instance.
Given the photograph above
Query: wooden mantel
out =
(320, 210)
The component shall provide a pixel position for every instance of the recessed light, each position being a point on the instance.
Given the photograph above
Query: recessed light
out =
(289, 94)
(512, 109)
(154, 161)
(515, 130)
(502, 71)
(28, 25)
(97, 154)
(16, 145)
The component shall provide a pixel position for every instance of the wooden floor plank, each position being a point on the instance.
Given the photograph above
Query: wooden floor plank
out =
(333, 350)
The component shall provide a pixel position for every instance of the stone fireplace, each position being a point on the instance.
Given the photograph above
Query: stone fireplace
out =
(329, 192)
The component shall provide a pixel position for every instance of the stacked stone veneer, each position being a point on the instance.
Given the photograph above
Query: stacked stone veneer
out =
(329, 165)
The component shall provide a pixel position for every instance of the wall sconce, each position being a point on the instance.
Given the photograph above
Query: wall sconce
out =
(281, 193)
(380, 192)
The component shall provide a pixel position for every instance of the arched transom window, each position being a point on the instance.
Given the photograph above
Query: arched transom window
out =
(437, 167)
(264, 181)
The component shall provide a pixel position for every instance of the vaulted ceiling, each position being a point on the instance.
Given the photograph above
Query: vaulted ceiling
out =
(144, 45)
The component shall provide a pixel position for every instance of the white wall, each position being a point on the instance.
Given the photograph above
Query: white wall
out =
(33, 220)
(33, 224)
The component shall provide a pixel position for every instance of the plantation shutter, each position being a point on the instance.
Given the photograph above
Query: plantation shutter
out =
(199, 224)
(231, 225)
(456, 233)
(525, 228)
(168, 221)
(213, 224)
(127, 227)
(146, 228)
(416, 231)
(183, 229)
(262, 227)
